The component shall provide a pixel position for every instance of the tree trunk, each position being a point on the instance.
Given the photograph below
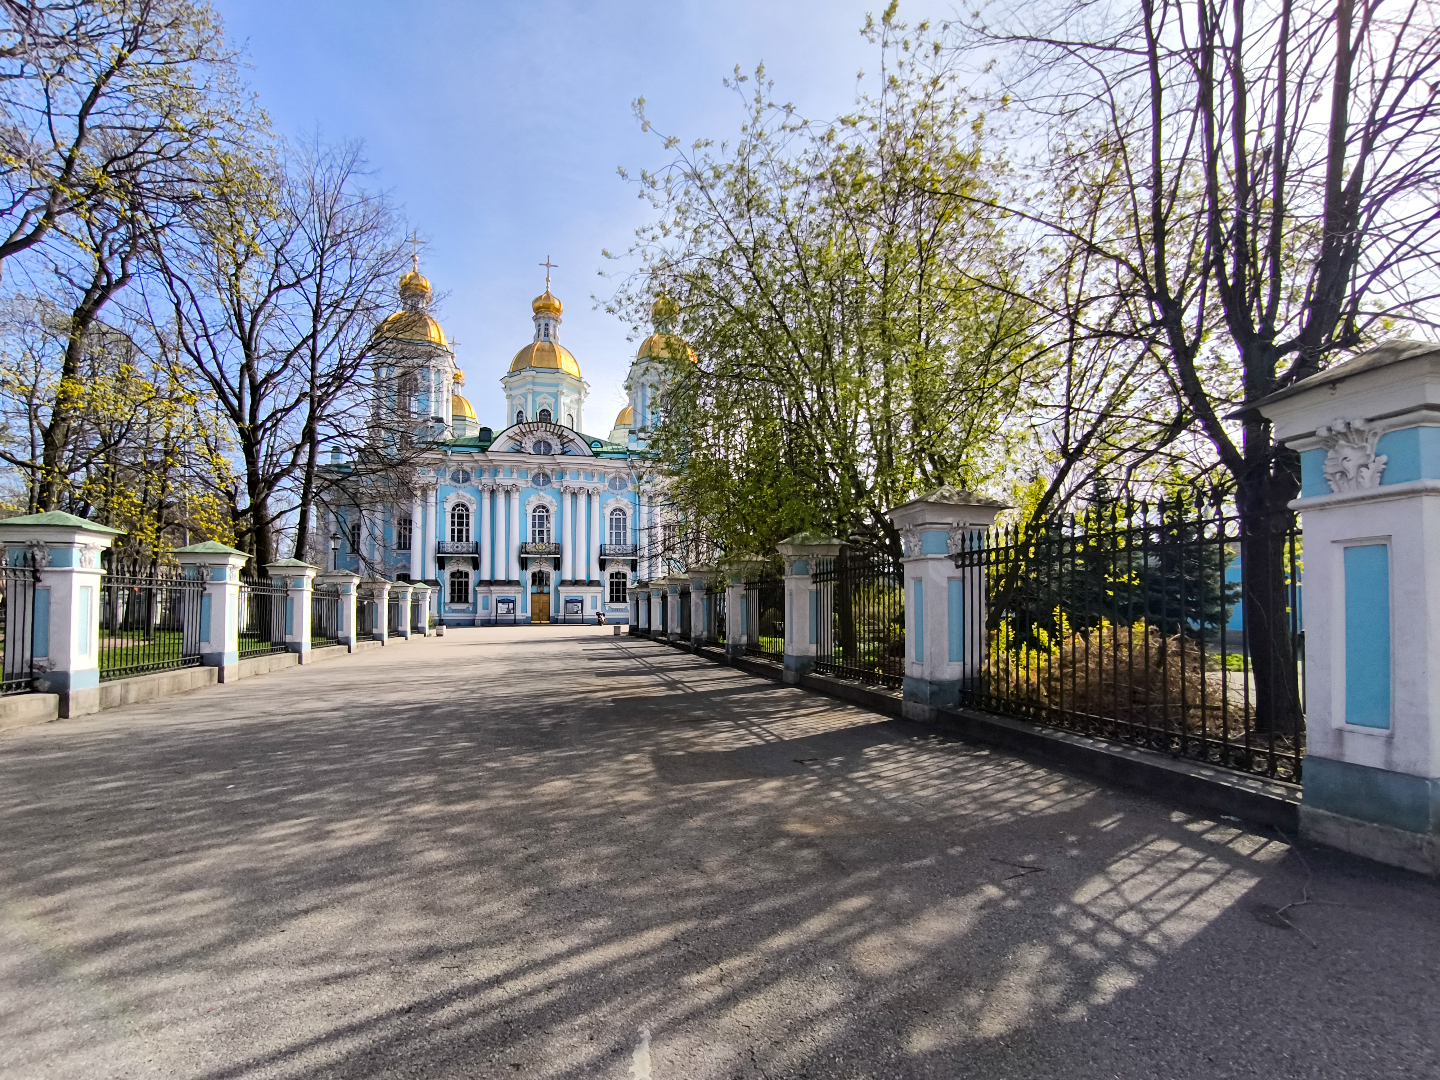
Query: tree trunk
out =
(1266, 520)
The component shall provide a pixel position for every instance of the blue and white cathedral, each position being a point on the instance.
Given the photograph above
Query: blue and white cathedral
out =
(539, 522)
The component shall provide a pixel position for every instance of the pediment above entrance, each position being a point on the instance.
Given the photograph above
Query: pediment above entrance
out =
(535, 436)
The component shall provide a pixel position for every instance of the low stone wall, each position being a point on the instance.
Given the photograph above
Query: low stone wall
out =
(142, 688)
(22, 710)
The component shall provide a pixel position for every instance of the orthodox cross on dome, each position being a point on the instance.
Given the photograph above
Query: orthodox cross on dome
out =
(548, 267)
(415, 251)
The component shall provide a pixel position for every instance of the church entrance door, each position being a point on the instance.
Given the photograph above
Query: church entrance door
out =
(540, 595)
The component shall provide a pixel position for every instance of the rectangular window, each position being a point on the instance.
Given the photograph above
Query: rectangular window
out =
(460, 587)
(355, 538)
(1367, 635)
(617, 587)
(403, 529)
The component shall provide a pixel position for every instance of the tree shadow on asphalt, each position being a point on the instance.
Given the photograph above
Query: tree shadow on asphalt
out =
(429, 872)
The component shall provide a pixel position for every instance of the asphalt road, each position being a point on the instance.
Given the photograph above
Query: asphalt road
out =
(550, 852)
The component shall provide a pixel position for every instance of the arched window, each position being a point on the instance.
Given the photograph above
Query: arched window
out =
(520, 416)
(542, 446)
(543, 416)
(619, 526)
(460, 524)
(404, 528)
(570, 419)
(408, 391)
(540, 525)
(459, 586)
(617, 586)
(545, 330)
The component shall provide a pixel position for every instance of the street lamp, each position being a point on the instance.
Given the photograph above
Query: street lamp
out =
(335, 550)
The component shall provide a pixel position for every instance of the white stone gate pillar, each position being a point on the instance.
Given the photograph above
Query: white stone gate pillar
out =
(346, 584)
(802, 553)
(298, 578)
(219, 567)
(942, 646)
(400, 591)
(377, 590)
(1368, 433)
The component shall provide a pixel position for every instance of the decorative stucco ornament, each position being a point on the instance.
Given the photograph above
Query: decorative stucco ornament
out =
(910, 541)
(1351, 464)
(39, 554)
(959, 537)
(90, 558)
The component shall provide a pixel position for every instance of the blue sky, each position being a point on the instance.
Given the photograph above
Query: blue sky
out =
(498, 127)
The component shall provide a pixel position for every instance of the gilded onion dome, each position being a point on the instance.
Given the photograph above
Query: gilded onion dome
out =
(413, 322)
(546, 355)
(626, 417)
(664, 344)
(547, 303)
(460, 408)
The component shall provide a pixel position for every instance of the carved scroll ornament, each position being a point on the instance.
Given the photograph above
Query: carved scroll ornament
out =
(1351, 464)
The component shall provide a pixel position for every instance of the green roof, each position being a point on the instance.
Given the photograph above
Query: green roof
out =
(59, 517)
(293, 563)
(209, 547)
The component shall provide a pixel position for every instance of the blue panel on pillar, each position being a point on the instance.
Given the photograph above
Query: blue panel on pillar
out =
(41, 633)
(1312, 475)
(934, 542)
(955, 617)
(919, 622)
(1367, 635)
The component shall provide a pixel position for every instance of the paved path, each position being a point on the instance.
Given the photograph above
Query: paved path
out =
(553, 853)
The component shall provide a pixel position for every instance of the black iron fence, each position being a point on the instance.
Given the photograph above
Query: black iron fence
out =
(860, 616)
(365, 618)
(394, 616)
(765, 618)
(149, 621)
(686, 616)
(1125, 623)
(715, 599)
(17, 626)
(417, 615)
(325, 625)
(262, 617)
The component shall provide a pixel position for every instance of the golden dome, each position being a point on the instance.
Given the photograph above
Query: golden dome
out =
(411, 326)
(414, 281)
(626, 417)
(460, 376)
(546, 302)
(460, 408)
(663, 347)
(546, 355)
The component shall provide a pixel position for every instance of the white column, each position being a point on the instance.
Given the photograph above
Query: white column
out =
(417, 538)
(513, 556)
(596, 510)
(567, 548)
(482, 539)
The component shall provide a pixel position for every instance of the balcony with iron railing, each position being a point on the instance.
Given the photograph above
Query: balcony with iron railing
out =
(457, 547)
(617, 551)
(532, 548)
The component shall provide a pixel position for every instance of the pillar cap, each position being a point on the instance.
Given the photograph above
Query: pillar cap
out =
(944, 507)
(1388, 385)
(809, 542)
(56, 526)
(291, 568)
(209, 553)
(338, 575)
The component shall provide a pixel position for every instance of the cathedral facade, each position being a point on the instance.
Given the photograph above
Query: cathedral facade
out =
(538, 522)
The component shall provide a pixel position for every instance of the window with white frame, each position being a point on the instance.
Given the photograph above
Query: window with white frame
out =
(618, 581)
(619, 527)
(519, 416)
(540, 525)
(459, 586)
(543, 416)
(354, 537)
(404, 528)
(570, 419)
(460, 524)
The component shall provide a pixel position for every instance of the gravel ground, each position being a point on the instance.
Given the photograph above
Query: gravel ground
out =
(549, 852)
